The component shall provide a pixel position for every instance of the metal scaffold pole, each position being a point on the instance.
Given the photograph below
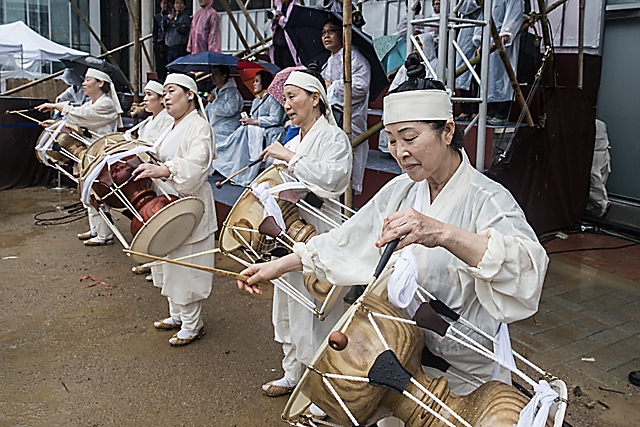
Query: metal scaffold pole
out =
(346, 24)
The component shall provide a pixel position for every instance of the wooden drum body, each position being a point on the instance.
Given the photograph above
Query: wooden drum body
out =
(241, 231)
(493, 404)
(161, 223)
(63, 149)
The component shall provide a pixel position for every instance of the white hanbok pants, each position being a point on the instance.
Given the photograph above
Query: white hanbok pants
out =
(98, 225)
(298, 330)
(188, 314)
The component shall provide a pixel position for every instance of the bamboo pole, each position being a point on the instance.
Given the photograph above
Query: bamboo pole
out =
(581, 46)
(497, 40)
(137, 4)
(347, 107)
(252, 24)
(137, 23)
(95, 36)
(58, 73)
(232, 18)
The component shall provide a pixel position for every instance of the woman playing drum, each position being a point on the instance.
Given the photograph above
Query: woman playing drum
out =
(155, 126)
(471, 245)
(319, 157)
(100, 116)
(186, 153)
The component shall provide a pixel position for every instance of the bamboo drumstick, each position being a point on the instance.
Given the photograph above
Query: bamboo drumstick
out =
(220, 184)
(213, 270)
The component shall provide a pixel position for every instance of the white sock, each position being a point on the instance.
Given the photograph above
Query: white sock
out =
(283, 382)
(186, 334)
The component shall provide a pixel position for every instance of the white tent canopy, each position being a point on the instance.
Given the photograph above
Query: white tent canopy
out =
(20, 40)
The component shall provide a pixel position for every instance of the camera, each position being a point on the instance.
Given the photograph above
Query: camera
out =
(274, 14)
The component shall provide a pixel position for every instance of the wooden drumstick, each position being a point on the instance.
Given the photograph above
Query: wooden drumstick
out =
(213, 270)
(255, 162)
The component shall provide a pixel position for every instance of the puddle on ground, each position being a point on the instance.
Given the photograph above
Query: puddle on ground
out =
(10, 240)
(13, 207)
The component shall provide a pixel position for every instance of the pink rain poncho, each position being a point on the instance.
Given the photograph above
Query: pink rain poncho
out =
(205, 31)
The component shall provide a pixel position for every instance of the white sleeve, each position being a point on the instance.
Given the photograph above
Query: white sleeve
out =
(509, 278)
(101, 113)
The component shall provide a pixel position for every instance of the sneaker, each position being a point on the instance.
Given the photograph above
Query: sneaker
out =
(495, 121)
(86, 235)
(97, 241)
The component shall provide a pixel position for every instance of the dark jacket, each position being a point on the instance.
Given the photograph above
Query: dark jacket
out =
(178, 30)
(157, 33)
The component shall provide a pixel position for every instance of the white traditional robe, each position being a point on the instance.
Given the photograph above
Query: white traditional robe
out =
(100, 117)
(361, 80)
(323, 163)
(504, 287)
(188, 151)
(508, 16)
(246, 143)
(469, 10)
(154, 127)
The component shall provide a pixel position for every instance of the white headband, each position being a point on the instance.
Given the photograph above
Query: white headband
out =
(100, 75)
(308, 82)
(154, 86)
(417, 105)
(188, 83)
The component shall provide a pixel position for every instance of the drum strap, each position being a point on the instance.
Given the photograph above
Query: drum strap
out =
(127, 134)
(52, 134)
(531, 415)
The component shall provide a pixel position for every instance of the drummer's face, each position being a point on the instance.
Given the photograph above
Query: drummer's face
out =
(152, 102)
(91, 86)
(298, 104)
(418, 148)
(176, 100)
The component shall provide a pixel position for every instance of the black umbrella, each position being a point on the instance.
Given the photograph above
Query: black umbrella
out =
(79, 64)
(304, 28)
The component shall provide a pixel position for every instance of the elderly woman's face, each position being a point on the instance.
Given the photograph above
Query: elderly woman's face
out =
(177, 101)
(418, 148)
(299, 104)
(152, 102)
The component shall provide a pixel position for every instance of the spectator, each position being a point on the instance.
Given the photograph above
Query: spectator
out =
(223, 112)
(177, 29)
(205, 29)
(74, 94)
(508, 16)
(465, 82)
(158, 38)
(333, 73)
(282, 52)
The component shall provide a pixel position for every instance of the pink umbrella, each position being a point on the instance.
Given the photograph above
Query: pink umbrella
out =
(276, 88)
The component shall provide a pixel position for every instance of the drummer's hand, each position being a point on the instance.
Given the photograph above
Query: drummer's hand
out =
(46, 107)
(277, 151)
(147, 170)
(414, 226)
(249, 121)
(46, 123)
(268, 271)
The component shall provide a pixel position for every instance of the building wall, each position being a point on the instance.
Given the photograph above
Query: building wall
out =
(618, 104)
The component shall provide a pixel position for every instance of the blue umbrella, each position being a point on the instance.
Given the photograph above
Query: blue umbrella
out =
(304, 27)
(202, 61)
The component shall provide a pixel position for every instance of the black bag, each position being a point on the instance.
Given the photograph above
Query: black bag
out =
(338, 114)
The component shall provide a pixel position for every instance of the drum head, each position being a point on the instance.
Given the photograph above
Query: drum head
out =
(247, 211)
(99, 146)
(299, 400)
(168, 229)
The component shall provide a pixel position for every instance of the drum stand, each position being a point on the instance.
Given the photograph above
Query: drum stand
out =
(58, 187)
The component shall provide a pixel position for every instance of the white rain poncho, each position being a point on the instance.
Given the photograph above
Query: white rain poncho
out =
(508, 16)
(154, 127)
(224, 117)
(74, 95)
(323, 163)
(246, 143)
(469, 10)
(504, 287)
(361, 73)
(600, 169)
(428, 48)
(188, 151)
(100, 117)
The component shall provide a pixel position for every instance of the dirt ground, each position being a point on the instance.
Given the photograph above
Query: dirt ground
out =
(72, 355)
